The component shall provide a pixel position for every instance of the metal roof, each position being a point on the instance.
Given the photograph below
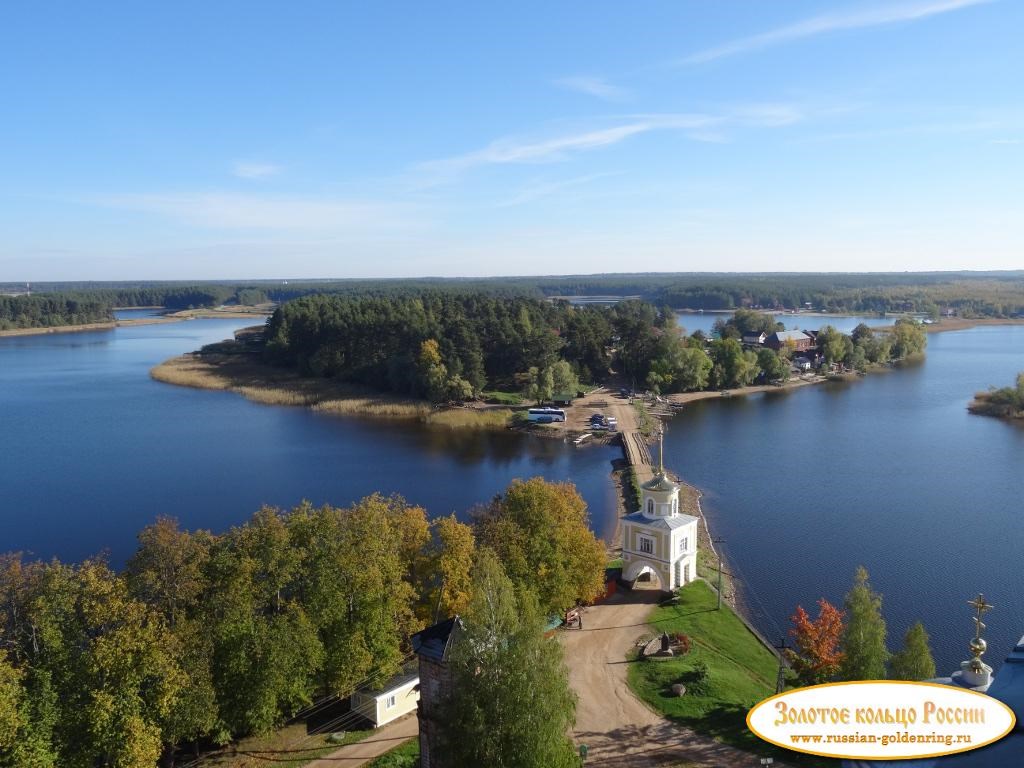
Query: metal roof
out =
(433, 642)
(660, 482)
(668, 523)
(791, 336)
(409, 673)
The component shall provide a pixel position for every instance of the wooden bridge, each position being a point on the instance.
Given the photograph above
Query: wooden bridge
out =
(638, 454)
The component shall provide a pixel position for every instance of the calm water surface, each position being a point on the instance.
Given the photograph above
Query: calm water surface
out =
(94, 449)
(703, 321)
(889, 472)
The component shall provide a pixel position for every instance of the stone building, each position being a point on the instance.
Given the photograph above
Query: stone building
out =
(659, 542)
(432, 647)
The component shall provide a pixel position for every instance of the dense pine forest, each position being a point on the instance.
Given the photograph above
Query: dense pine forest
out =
(480, 339)
(443, 346)
(47, 310)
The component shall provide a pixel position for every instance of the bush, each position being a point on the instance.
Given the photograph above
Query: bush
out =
(682, 641)
(696, 680)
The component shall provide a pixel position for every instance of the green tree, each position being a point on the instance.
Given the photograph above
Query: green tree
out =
(732, 365)
(541, 533)
(914, 661)
(356, 583)
(168, 572)
(861, 334)
(265, 648)
(514, 707)
(432, 373)
(774, 367)
(678, 367)
(563, 378)
(11, 694)
(908, 338)
(447, 584)
(540, 384)
(835, 346)
(864, 651)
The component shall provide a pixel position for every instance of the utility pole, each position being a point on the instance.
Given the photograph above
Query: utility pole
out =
(719, 540)
(780, 680)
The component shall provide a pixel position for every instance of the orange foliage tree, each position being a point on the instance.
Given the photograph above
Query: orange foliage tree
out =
(817, 655)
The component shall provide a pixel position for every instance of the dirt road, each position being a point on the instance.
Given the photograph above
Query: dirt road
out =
(603, 401)
(383, 740)
(619, 729)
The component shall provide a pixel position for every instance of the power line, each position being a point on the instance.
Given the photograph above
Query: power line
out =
(345, 719)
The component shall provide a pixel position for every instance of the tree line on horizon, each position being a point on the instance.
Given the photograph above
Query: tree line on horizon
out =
(205, 637)
(969, 294)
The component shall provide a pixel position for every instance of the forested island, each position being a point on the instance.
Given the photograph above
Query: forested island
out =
(397, 355)
(442, 346)
(207, 637)
(1003, 403)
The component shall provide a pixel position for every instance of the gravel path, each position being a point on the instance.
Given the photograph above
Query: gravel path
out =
(383, 740)
(618, 728)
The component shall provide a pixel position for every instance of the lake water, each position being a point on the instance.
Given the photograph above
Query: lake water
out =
(889, 471)
(704, 321)
(94, 449)
(137, 314)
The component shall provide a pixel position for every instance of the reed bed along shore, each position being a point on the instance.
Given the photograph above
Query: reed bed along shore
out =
(260, 383)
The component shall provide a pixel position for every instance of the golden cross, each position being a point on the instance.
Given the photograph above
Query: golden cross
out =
(980, 606)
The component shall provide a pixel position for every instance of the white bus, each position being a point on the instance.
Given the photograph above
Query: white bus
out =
(546, 415)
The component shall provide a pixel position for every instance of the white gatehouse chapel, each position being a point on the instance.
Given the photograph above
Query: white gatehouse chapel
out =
(658, 542)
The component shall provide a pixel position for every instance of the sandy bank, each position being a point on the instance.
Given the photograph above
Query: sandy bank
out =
(174, 317)
(963, 323)
(246, 375)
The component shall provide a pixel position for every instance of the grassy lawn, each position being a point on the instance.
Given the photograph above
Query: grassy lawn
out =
(288, 747)
(502, 398)
(741, 671)
(644, 423)
(405, 756)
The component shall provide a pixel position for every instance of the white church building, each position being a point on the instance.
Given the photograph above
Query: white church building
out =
(659, 540)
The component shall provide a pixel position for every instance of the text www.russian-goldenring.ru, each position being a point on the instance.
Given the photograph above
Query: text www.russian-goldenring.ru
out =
(905, 737)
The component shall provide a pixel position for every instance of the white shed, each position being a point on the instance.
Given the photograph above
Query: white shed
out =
(397, 697)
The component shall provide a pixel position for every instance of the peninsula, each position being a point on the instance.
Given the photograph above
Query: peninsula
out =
(1003, 403)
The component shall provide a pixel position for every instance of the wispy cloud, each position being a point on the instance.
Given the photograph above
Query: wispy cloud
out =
(543, 189)
(525, 151)
(881, 15)
(593, 86)
(213, 210)
(917, 129)
(247, 169)
(516, 150)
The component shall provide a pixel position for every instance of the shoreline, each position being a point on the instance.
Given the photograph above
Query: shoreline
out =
(233, 370)
(109, 325)
(946, 324)
(982, 405)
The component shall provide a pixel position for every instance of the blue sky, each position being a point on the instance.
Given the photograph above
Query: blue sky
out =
(325, 139)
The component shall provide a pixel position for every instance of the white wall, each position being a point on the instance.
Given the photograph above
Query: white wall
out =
(376, 709)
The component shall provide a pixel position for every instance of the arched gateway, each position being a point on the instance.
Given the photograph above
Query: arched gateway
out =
(658, 540)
